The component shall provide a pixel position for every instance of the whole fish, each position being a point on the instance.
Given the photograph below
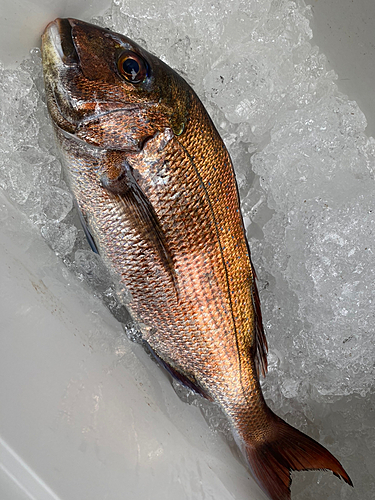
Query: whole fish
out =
(157, 195)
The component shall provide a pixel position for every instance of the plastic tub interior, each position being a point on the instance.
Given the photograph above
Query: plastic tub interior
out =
(82, 416)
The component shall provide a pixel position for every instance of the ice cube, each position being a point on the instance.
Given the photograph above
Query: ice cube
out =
(60, 236)
(57, 203)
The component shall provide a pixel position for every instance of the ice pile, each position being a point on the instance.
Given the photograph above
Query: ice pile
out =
(30, 173)
(29, 169)
(305, 170)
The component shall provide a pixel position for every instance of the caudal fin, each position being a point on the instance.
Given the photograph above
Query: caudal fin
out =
(287, 449)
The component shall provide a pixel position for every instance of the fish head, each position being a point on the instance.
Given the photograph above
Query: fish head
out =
(106, 90)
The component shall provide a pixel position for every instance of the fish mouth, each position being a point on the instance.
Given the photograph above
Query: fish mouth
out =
(61, 36)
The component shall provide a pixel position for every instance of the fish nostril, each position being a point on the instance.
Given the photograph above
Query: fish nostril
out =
(69, 52)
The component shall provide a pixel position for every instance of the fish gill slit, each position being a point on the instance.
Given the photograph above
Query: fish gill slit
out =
(222, 257)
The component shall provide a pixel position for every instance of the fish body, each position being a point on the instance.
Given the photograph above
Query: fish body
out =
(156, 190)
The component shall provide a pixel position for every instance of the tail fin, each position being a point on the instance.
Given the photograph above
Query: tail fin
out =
(287, 449)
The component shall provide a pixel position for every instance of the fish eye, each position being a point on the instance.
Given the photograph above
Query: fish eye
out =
(132, 67)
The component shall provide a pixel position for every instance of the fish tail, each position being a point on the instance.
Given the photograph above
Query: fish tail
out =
(286, 449)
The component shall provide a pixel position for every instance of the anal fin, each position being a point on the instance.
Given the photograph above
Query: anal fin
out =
(180, 377)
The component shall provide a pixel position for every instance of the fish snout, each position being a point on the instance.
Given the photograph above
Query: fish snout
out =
(58, 36)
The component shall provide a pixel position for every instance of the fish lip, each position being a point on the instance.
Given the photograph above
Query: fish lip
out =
(61, 36)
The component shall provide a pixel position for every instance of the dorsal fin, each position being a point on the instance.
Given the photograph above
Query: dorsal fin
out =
(261, 346)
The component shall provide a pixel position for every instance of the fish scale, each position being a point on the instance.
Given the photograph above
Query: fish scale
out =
(222, 202)
(182, 247)
(204, 294)
(157, 193)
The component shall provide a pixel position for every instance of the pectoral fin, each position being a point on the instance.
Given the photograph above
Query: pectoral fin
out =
(128, 190)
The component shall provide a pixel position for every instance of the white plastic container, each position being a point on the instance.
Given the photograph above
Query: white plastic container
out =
(84, 414)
